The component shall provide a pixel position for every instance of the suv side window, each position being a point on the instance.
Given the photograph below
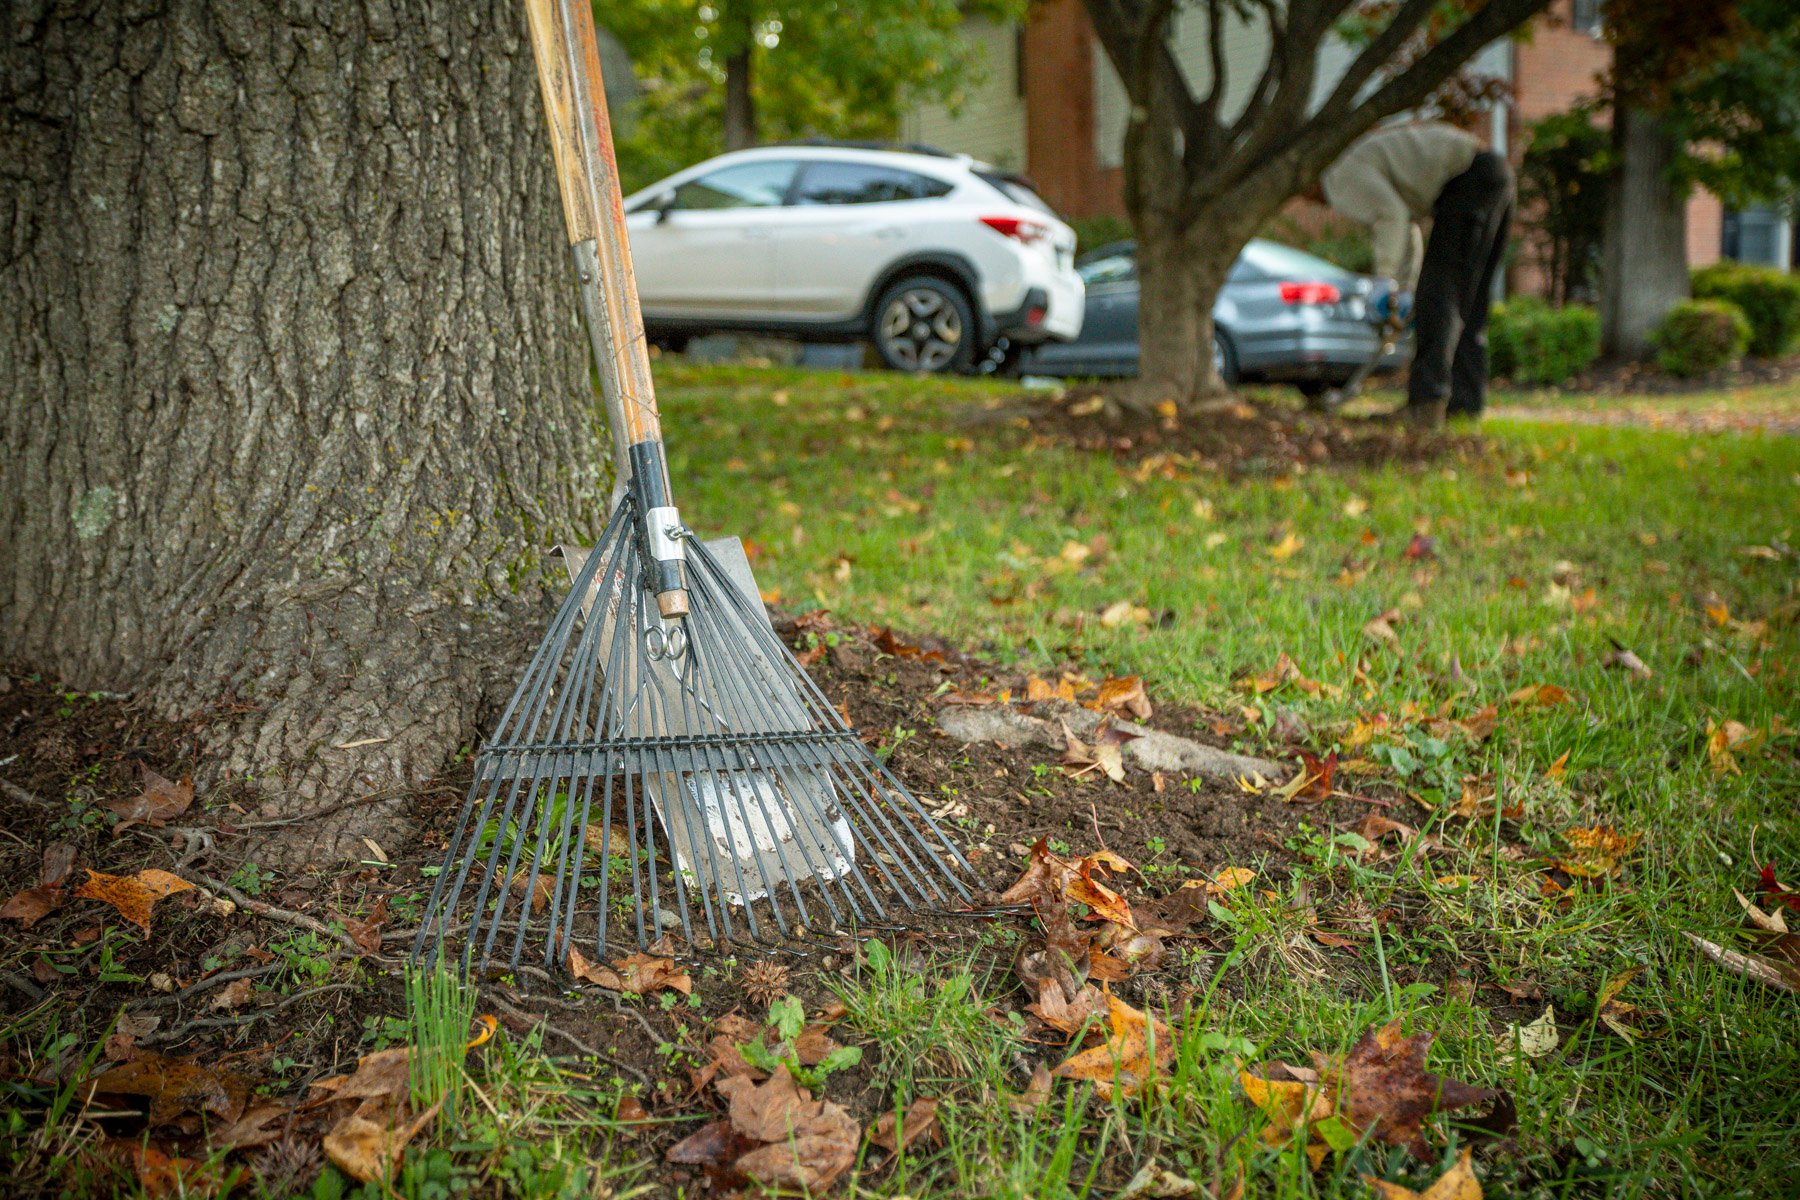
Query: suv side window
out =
(745, 185)
(864, 183)
(1114, 268)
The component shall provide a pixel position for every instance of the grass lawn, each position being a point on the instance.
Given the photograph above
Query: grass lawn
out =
(1531, 563)
(1618, 604)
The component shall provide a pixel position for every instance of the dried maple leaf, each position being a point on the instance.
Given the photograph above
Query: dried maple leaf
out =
(809, 1143)
(1316, 774)
(1595, 851)
(133, 895)
(1723, 742)
(1292, 1105)
(1383, 1088)
(1124, 696)
(1061, 1011)
(366, 931)
(1458, 1183)
(1104, 755)
(1103, 903)
(1136, 1049)
(160, 801)
(1771, 891)
(382, 1075)
(895, 1132)
(1541, 694)
(261, 1125)
(1044, 878)
(174, 1087)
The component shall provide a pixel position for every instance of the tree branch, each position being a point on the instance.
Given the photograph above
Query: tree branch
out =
(1378, 53)
(1215, 41)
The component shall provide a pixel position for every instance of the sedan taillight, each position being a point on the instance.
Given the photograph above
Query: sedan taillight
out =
(1310, 293)
(1022, 228)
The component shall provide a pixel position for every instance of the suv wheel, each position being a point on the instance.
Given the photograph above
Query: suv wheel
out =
(923, 324)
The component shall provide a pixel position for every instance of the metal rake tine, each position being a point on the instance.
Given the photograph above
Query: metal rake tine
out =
(439, 908)
(726, 700)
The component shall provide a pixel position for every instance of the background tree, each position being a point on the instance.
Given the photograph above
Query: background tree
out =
(1201, 177)
(294, 397)
(1700, 93)
(1563, 183)
(724, 74)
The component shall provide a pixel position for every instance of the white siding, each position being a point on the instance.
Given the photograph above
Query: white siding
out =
(991, 123)
(1246, 51)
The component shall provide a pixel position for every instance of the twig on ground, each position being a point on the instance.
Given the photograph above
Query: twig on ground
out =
(530, 1018)
(176, 1033)
(22, 796)
(22, 985)
(284, 916)
(210, 982)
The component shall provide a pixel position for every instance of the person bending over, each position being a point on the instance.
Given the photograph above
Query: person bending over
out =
(1390, 180)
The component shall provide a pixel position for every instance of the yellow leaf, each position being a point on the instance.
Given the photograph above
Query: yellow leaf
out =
(1286, 548)
(488, 1023)
(1126, 1061)
(1458, 1183)
(133, 895)
(1555, 769)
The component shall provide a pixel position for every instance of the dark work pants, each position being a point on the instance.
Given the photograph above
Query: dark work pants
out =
(1469, 224)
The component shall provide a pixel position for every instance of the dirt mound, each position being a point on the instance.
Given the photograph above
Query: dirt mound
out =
(1242, 437)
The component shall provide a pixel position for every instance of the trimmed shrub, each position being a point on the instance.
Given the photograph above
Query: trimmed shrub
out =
(1770, 299)
(1531, 343)
(1699, 336)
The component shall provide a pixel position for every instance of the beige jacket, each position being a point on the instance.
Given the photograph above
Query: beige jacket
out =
(1390, 179)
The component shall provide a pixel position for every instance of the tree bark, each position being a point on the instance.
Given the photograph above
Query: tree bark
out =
(1644, 270)
(296, 400)
(740, 99)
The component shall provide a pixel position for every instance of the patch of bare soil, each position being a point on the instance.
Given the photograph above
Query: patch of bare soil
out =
(1239, 438)
(282, 981)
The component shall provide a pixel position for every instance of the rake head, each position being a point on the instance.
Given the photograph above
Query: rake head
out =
(647, 768)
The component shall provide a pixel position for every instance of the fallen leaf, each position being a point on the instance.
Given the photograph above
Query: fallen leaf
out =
(637, 974)
(1723, 741)
(1068, 1013)
(809, 1143)
(257, 1127)
(1458, 1183)
(160, 801)
(1125, 696)
(1286, 548)
(1595, 852)
(32, 905)
(1625, 660)
(1381, 628)
(367, 1144)
(1136, 1050)
(1036, 1093)
(174, 1087)
(1533, 1041)
(235, 994)
(1543, 694)
(1751, 966)
(133, 895)
(1383, 1088)
(366, 931)
(162, 1174)
(1154, 1182)
(1421, 546)
(895, 1132)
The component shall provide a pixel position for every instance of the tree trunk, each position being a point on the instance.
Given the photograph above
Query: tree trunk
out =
(1644, 272)
(1180, 272)
(296, 400)
(740, 101)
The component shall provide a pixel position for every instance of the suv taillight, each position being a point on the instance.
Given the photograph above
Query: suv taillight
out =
(1022, 228)
(1309, 293)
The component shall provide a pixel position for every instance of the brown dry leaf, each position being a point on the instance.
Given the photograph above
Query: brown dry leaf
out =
(810, 1143)
(1104, 755)
(1481, 724)
(1291, 1104)
(162, 1174)
(1125, 696)
(895, 1132)
(1068, 1013)
(1543, 694)
(385, 1074)
(160, 801)
(1374, 827)
(1751, 966)
(1627, 661)
(174, 1087)
(1044, 878)
(1381, 628)
(638, 974)
(1382, 1086)
(1595, 851)
(32, 905)
(1036, 1093)
(1125, 1062)
(367, 1144)
(257, 1127)
(1104, 903)
(814, 1045)
(1458, 1183)
(1723, 741)
(133, 895)
(235, 994)
(1042, 689)
(366, 931)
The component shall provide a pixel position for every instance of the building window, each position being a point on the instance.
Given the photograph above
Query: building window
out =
(1584, 17)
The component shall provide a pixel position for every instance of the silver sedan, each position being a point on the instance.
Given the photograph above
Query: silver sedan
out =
(1283, 316)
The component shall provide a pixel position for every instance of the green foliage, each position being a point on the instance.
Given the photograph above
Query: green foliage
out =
(1532, 343)
(1335, 239)
(1091, 233)
(1562, 198)
(1700, 335)
(1769, 299)
(1742, 113)
(438, 1011)
(833, 68)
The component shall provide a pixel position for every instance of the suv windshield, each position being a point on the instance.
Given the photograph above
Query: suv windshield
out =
(746, 185)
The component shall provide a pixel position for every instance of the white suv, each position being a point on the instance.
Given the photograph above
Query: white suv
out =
(944, 263)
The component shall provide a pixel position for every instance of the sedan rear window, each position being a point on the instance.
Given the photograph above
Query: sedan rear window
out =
(865, 183)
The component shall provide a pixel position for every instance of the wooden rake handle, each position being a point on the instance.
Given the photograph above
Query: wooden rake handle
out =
(568, 68)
